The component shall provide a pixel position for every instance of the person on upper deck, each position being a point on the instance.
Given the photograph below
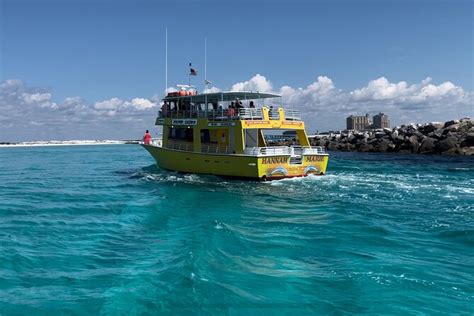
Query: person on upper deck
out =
(238, 104)
(147, 138)
(252, 105)
(165, 108)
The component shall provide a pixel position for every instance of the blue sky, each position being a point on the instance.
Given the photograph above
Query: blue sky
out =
(98, 50)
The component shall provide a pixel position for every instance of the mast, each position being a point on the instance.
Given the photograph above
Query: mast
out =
(205, 75)
(166, 60)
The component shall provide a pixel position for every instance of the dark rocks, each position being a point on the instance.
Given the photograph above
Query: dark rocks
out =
(446, 144)
(455, 137)
(428, 145)
(449, 123)
(470, 139)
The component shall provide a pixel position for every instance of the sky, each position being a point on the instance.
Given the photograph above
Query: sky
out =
(96, 69)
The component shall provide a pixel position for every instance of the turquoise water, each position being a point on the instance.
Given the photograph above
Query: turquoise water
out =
(101, 230)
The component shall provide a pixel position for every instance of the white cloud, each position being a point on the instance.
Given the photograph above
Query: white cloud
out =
(110, 104)
(402, 93)
(256, 83)
(28, 113)
(141, 103)
(211, 90)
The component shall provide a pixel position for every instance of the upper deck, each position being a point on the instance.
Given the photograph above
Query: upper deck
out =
(242, 105)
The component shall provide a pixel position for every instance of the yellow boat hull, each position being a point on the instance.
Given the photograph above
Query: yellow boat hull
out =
(242, 166)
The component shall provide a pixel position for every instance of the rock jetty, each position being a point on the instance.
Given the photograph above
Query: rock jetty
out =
(454, 137)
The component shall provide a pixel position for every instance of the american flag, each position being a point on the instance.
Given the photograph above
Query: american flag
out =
(192, 71)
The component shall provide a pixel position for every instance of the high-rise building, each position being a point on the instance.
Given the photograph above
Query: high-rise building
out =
(358, 123)
(381, 121)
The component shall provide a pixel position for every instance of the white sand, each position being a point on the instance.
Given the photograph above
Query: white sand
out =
(65, 143)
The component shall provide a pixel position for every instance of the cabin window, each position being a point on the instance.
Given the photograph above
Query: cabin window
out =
(205, 136)
(181, 134)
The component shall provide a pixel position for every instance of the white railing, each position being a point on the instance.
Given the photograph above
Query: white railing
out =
(315, 150)
(232, 114)
(250, 114)
(273, 114)
(292, 115)
(267, 151)
(180, 146)
(214, 149)
(156, 142)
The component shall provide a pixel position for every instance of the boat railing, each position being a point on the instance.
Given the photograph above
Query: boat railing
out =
(180, 146)
(273, 114)
(294, 151)
(292, 115)
(215, 149)
(250, 114)
(232, 114)
(268, 151)
(156, 142)
(315, 150)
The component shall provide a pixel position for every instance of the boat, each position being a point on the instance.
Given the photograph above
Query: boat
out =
(223, 134)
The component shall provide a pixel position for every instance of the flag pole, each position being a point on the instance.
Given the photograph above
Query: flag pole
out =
(205, 74)
(166, 60)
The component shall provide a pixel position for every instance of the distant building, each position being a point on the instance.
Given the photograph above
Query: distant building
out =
(358, 123)
(381, 121)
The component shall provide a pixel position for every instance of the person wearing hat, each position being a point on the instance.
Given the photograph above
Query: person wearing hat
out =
(238, 104)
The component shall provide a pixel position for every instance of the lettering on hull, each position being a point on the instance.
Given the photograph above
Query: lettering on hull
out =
(314, 158)
(274, 160)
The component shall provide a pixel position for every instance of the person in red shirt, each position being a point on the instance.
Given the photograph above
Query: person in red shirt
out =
(147, 138)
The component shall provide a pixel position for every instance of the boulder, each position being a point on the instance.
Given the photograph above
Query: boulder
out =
(411, 130)
(332, 145)
(436, 134)
(467, 151)
(365, 148)
(446, 144)
(414, 144)
(452, 151)
(428, 128)
(452, 122)
(451, 128)
(470, 139)
(465, 126)
(382, 145)
(428, 145)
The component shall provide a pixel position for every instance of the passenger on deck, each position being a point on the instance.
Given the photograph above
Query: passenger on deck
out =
(147, 138)
(231, 109)
(164, 109)
(238, 104)
(252, 106)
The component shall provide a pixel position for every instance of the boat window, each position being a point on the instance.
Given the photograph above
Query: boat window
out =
(281, 137)
(205, 136)
(182, 134)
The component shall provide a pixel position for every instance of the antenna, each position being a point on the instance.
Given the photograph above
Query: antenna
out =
(205, 63)
(166, 59)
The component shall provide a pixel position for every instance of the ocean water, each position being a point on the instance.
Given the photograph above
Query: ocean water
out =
(90, 230)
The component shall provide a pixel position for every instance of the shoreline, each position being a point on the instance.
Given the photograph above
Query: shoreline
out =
(68, 143)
